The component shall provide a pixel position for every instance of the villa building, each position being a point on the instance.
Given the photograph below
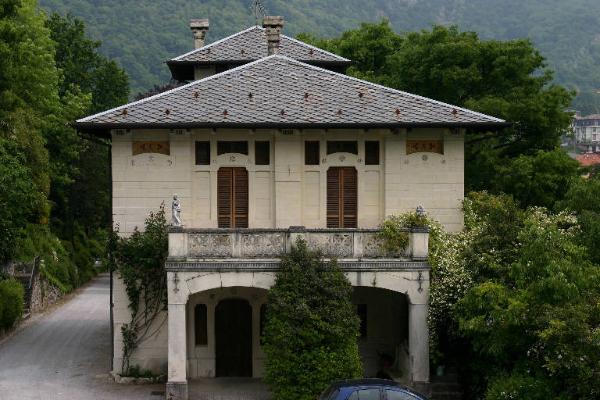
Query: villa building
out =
(587, 132)
(269, 141)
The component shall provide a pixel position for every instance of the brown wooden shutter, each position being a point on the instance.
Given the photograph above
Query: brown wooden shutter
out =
(350, 198)
(240, 197)
(342, 198)
(225, 197)
(333, 198)
(232, 198)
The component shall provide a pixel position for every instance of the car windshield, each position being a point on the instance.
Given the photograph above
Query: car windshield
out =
(329, 394)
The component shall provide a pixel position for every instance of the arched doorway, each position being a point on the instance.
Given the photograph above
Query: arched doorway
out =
(233, 338)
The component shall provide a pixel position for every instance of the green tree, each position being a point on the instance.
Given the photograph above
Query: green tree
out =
(311, 332)
(28, 100)
(540, 179)
(534, 328)
(83, 199)
(82, 65)
(583, 197)
(19, 199)
(507, 79)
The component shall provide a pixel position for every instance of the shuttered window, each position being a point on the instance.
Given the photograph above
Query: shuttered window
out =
(342, 199)
(311, 152)
(201, 325)
(224, 147)
(371, 152)
(232, 198)
(202, 153)
(342, 146)
(262, 153)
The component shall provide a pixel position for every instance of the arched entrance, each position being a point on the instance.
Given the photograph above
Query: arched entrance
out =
(233, 338)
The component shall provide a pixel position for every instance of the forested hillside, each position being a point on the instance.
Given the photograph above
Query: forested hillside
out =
(142, 34)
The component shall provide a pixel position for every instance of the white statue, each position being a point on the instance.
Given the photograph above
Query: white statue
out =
(176, 211)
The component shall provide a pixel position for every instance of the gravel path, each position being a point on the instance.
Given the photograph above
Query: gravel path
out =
(65, 354)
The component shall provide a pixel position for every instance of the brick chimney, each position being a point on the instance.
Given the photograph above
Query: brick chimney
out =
(273, 26)
(199, 27)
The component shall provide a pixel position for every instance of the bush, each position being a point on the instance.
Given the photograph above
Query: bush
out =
(311, 330)
(58, 268)
(11, 302)
(533, 321)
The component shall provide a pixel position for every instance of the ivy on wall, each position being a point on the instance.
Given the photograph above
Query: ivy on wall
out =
(139, 260)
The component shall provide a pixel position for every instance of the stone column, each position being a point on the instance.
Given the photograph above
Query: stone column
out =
(177, 388)
(418, 342)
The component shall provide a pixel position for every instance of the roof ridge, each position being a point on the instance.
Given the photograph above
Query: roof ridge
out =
(216, 42)
(256, 27)
(317, 48)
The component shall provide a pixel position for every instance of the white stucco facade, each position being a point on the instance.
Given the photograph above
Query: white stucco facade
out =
(287, 192)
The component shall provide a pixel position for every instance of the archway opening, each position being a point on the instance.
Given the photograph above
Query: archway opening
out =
(383, 341)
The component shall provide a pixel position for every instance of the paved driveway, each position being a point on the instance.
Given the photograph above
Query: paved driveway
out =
(65, 354)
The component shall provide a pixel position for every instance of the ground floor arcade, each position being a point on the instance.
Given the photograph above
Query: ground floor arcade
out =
(215, 322)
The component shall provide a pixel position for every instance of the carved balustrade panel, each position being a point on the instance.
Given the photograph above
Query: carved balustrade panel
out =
(339, 245)
(203, 245)
(372, 245)
(262, 245)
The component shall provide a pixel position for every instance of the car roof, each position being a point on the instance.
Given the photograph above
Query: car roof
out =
(375, 382)
(366, 382)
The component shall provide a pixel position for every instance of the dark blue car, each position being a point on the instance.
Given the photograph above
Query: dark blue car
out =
(369, 389)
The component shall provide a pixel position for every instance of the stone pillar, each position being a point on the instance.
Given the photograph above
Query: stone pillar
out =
(418, 342)
(177, 388)
(419, 243)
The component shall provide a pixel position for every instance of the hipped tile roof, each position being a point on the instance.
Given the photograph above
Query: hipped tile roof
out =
(251, 44)
(278, 91)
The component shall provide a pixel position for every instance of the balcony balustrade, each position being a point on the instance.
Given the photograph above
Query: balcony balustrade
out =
(193, 245)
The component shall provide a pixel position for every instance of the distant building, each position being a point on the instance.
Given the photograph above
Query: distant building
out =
(587, 132)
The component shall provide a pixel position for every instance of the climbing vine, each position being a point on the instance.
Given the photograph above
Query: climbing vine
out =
(139, 261)
(450, 278)
(393, 234)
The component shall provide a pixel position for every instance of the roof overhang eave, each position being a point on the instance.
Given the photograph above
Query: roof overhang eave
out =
(103, 129)
(246, 61)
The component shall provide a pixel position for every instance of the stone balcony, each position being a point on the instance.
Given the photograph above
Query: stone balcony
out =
(261, 249)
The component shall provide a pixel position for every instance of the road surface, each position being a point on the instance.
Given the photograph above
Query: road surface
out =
(65, 354)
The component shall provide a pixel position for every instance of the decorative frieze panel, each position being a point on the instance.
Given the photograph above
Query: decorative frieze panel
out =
(339, 245)
(262, 245)
(204, 245)
(372, 246)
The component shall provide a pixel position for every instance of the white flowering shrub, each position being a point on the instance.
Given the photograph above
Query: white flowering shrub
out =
(532, 317)
(449, 278)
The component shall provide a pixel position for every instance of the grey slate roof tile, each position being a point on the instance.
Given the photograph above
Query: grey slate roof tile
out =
(278, 90)
(251, 44)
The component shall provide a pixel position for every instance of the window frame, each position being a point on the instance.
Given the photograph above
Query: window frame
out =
(197, 145)
(377, 153)
(409, 396)
(204, 328)
(232, 143)
(314, 151)
(360, 389)
(336, 146)
(267, 144)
